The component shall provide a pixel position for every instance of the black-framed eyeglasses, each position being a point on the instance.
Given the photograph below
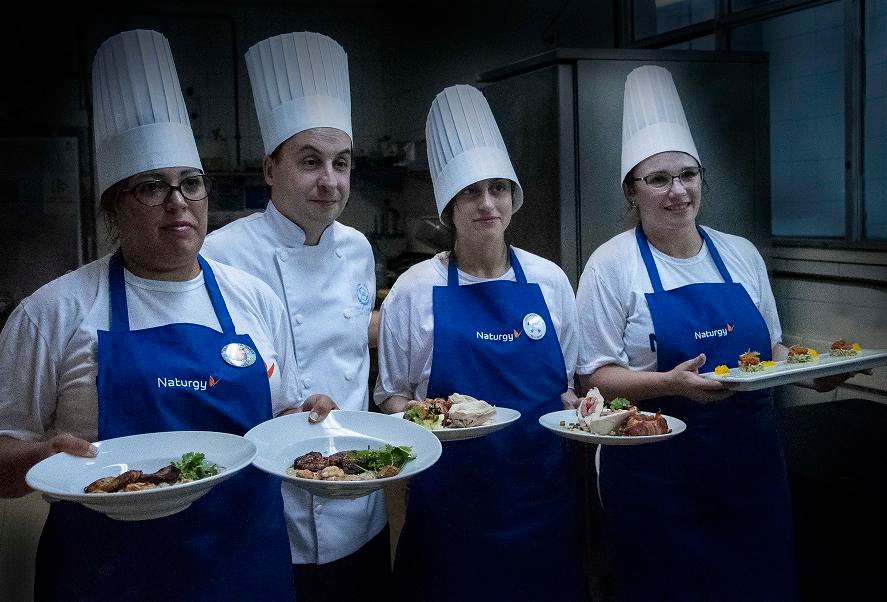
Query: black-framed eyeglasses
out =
(156, 192)
(661, 180)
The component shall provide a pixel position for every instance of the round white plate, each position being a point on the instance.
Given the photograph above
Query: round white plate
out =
(552, 421)
(503, 417)
(63, 476)
(281, 440)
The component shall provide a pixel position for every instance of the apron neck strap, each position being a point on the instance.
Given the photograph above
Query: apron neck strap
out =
(120, 310)
(716, 257)
(453, 269)
(215, 297)
(647, 256)
(653, 272)
(117, 290)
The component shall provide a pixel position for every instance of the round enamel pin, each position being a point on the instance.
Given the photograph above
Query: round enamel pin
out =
(534, 326)
(239, 355)
(363, 294)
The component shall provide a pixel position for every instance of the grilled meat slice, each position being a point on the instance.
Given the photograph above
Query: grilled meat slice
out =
(313, 461)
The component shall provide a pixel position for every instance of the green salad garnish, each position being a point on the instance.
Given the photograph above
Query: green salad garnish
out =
(377, 459)
(194, 466)
(620, 403)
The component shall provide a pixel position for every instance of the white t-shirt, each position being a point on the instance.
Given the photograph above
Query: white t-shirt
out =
(49, 345)
(406, 339)
(328, 290)
(614, 317)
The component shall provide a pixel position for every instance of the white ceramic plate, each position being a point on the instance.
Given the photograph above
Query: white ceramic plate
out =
(283, 439)
(503, 417)
(552, 421)
(63, 476)
(784, 373)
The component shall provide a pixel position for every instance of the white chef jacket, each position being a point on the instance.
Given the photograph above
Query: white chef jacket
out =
(49, 344)
(614, 318)
(406, 338)
(328, 290)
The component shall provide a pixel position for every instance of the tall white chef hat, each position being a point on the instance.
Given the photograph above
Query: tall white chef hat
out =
(300, 82)
(653, 119)
(464, 145)
(140, 119)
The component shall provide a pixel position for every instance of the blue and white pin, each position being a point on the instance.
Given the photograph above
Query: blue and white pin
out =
(238, 355)
(363, 294)
(534, 326)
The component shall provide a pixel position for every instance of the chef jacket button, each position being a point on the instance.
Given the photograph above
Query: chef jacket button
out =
(318, 508)
(284, 256)
(299, 318)
(306, 382)
(349, 375)
(339, 253)
(347, 313)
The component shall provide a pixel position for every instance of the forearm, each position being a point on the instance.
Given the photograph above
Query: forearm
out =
(615, 381)
(373, 330)
(394, 404)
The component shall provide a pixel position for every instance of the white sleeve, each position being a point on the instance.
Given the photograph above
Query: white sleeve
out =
(394, 349)
(29, 383)
(602, 321)
(569, 321)
(289, 370)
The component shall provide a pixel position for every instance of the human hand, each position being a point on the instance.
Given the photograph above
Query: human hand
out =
(684, 380)
(319, 405)
(825, 384)
(65, 442)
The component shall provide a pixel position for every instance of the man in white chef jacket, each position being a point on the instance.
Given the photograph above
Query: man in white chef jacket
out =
(324, 273)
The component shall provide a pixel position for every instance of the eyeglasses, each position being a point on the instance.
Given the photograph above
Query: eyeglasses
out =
(661, 180)
(156, 192)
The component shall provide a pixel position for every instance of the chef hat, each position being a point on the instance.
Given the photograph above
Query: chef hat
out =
(140, 119)
(300, 82)
(464, 145)
(653, 119)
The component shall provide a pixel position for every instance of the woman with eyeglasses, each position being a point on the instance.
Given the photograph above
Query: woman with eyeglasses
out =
(87, 358)
(704, 515)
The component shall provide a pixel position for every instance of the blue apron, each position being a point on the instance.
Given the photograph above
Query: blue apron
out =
(494, 518)
(230, 544)
(706, 515)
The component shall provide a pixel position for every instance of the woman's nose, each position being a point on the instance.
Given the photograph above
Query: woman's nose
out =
(175, 200)
(677, 187)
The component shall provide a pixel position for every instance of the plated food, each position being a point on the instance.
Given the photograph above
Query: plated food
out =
(618, 422)
(842, 348)
(192, 467)
(803, 364)
(66, 477)
(798, 354)
(378, 440)
(457, 411)
(352, 465)
(619, 418)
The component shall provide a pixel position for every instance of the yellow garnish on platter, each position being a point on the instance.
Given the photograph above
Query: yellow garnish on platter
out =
(722, 369)
(856, 347)
(812, 352)
(768, 363)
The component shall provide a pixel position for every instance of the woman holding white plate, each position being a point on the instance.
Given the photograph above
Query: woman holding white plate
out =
(705, 515)
(496, 323)
(152, 338)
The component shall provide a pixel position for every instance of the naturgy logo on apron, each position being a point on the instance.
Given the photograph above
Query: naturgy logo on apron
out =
(178, 383)
(718, 332)
(533, 325)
